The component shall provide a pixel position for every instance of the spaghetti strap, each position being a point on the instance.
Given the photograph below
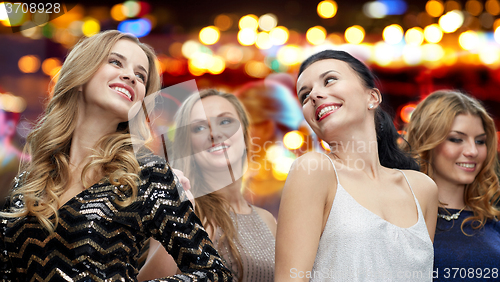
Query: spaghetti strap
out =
(407, 182)
(336, 174)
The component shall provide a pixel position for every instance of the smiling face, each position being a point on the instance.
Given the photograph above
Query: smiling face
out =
(460, 157)
(333, 97)
(216, 135)
(118, 84)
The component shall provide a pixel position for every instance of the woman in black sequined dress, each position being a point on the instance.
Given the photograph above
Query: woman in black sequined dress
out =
(85, 205)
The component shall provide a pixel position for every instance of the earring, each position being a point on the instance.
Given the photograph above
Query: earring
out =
(370, 106)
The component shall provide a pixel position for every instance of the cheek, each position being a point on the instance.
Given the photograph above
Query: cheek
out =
(197, 142)
(482, 154)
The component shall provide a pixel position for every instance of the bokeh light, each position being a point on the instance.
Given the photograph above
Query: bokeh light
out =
(383, 54)
(393, 34)
(50, 64)
(489, 55)
(432, 52)
(90, 27)
(354, 34)
(29, 64)
(406, 112)
(3, 12)
(131, 8)
(414, 36)
(468, 40)
(247, 36)
(434, 8)
(293, 140)
(412, 55)
(249, 21)
(289, 55)
(209, 35)
(433, 33)
(451, 21)
(256, 69)
(281, 167)
(138, 27)
(492, 7)
(117, 13)
(218, 65)
(474, 7)
(375, 9)
(327, 9)
(223, 22)
(268, 22)
(263, 41)
(316, 35)
(279, 35)
(12, 103)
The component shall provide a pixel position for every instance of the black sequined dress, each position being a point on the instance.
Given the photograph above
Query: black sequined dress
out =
(97, 240)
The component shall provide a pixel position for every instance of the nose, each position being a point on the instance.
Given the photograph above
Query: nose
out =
(316, 95)
(471, 150)
(128, 75)
(215, 133)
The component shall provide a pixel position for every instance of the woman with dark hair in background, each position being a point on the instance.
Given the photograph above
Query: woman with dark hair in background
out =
(85, 204)
(349, 216)
(455, 140)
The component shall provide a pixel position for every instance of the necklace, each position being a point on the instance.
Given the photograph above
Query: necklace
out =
(450, 217)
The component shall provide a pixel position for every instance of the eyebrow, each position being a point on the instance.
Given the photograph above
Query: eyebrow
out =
(320, 76)
(461, 133)
(219, 115)
(125, 59)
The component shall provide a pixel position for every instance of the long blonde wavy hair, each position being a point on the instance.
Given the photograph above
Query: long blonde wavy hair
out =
(430, 125)
(50, 141)
(212, 209)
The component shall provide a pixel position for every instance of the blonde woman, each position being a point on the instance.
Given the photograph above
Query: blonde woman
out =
(84, 205)
(455, 140)
(212, 127)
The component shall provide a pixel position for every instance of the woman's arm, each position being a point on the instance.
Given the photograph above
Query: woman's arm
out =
(168, 217)
(301, 216)
(158, 263)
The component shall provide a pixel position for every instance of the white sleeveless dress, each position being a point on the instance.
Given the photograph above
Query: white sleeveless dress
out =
(358, 245)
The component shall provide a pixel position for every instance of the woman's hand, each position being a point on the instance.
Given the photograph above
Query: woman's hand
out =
(185, 184)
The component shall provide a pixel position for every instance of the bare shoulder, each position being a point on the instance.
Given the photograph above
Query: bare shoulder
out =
(423, 186)
(312, 169)
(268, 219)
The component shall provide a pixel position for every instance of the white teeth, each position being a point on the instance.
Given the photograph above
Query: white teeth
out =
(217, 148)
(326, 110)
(467, 165)
(124, 91)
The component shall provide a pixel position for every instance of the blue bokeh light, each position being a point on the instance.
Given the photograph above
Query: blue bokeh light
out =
(137, 27)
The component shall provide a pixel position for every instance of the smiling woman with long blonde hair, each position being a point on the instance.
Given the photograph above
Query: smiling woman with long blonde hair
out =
(84, 205)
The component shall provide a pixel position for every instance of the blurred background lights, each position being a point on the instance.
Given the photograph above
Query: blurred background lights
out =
(375, 9)
(263, 41)
(189, 48)
(249, 21)
(256, 69)
(433, 33)
(131, 8)
(474, 7)
(223, 22)
(434, 8)
(451, 21)
(138, 27)
(406, 112)
(414, 36)
(316, 35)
(394, 7)
(293, 140)
(218, 65)
(393, 34)
(492, 7)
(209, 35)
(325, 145)
(281, 167)
(354, 34)
(15, 19)
(278, 35)
(50, 64)
(29, 64)
(12, 103)
(327, 9)
(451, 5)
(117, 13)
(468, 40)
(90, 27)
(383, 54)
(489, 55)
(247, 36)
(432, 52)
(268, 22)
(412, 55)
(289, 55)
